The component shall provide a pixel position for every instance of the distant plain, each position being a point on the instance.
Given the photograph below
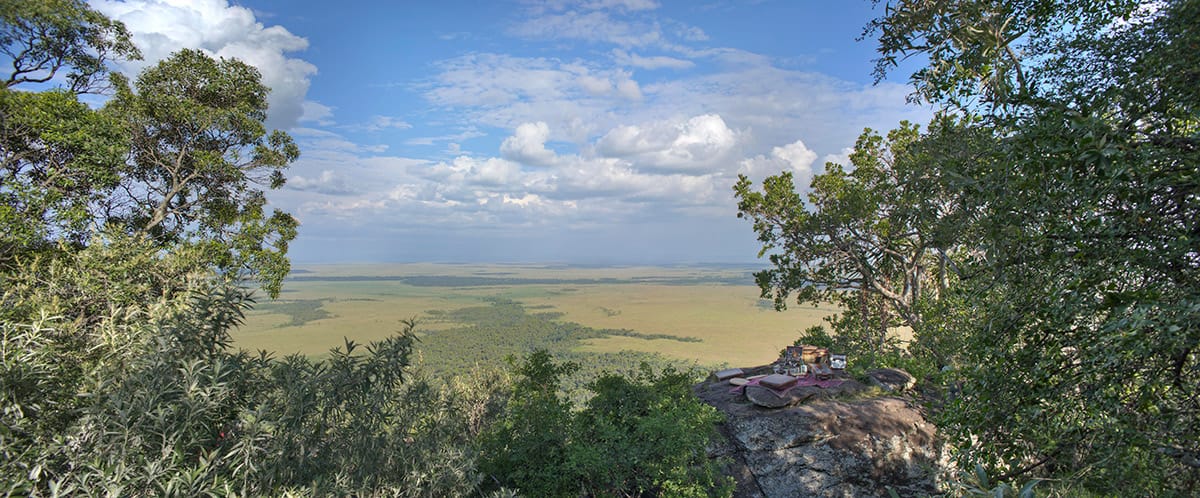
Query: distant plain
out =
(717, 304)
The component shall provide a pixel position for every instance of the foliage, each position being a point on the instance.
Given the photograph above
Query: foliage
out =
(178, 157)
(149, 400)
(43, 37)
(642, 435)
(199, 148)
(646, 435)
(59, 158)
(977, 483)
(1076, 346)
(985, 52)
(873, 238)
(133, 390)
(527, 447)
(125, 230)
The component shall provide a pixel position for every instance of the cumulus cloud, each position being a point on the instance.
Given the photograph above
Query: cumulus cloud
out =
(161, 27)
(527, 145)
(842, 157)
(697, 143)
(794, 157)
(466, 171)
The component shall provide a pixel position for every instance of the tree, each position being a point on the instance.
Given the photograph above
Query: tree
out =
(1079, 346)
(864, 239)
(199, 149)
(41, 38)
(983, 51)
(57, 156)
(58, 160)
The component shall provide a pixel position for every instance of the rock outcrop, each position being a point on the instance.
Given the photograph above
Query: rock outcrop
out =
(836, 442)
(892, 379)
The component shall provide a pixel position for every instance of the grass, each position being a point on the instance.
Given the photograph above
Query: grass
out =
(717, 307)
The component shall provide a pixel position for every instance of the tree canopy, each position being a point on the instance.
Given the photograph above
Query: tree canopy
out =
(180, 156)
(1060, 186)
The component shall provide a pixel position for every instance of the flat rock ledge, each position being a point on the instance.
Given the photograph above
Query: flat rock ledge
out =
(824, 443)
(892, 379)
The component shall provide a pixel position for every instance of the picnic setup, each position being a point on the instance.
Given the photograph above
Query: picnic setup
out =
(801, 372)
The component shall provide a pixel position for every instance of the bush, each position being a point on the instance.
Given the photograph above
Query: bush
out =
(121, 392)
(640, 435)
(117, 377)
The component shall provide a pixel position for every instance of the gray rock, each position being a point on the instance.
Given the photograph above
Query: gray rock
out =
(830, 444)
(892, 379)
(767, 397)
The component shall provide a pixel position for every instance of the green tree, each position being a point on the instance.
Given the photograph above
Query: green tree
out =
(57, 156)
(199, 153)
(42, 38)
(646, 434)
(58, 160)
(527, 446)
(1078, 314)
(866, 238)
(639, 435)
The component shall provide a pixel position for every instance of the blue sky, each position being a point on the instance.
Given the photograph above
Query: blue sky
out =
(584, 131)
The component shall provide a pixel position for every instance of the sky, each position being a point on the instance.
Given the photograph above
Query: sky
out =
(560, 131)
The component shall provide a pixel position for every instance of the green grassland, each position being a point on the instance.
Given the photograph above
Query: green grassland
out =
(471, 313)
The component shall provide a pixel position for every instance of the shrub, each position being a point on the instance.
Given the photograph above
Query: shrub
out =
(639, 435)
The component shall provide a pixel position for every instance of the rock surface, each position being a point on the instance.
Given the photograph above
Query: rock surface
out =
(892, 379)
(832, 443)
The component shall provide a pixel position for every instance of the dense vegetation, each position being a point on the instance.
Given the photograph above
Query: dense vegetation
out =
(1040, 236)
(128, 235)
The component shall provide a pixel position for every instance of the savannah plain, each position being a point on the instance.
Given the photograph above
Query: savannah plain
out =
(715, 308)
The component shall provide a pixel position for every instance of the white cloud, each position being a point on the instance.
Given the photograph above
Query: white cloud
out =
(469, 171)
(527, 145)
(315, 112)
(380, 123)
(466, 134)
(328, 182)
(842, 157)
(794, 157)
(595, 86)
(629, 89)
(653, 62)
(797, 155)
(695, 144)
(593, 26)
(630, 5)
(162, 27)
(691, 33)
(576, 99)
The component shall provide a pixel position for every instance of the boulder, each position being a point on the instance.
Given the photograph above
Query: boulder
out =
(767, 397)
(831, 443)
(728, 373)
(892, 379)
